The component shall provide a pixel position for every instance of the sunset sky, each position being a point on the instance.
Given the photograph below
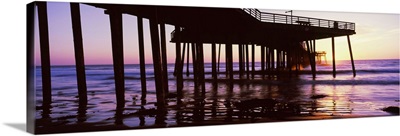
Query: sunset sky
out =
(377, 36)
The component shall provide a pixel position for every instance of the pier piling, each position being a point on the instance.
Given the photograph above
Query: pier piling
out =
(229, 66)
(44, 53)
(333, 57)
(351, 56)
(219, 56)
(79, 57)
(183, 56)
(194, 65)
(213, 62)
(118, 56)
(253, 61)
(158, 75)
(187, 60)
(164, 58)
(311, 56)
(179, 80)
(200, 58)
(240, 60)
(142, 58)
(247, 62)
(262, 61)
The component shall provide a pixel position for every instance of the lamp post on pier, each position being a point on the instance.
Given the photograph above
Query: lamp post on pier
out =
(291, 14)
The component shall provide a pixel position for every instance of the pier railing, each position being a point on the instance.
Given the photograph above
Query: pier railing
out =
(298, 20)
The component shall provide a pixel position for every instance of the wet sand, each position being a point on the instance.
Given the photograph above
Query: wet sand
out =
(217, 107)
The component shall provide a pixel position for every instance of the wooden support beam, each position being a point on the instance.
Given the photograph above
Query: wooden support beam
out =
(290, 60)
(229, 61)
(267, 59)
(313, 57)
(243, 59)
(187, 60)
(284, 57)
(194, 65)
(214, 62)
(333, 57)
(309, 51)
(226, 61)
(164, 58)
(31, 90)
(219, 56)
(183, 56)
(247, 61)
(240, 60)
(262, 61)
(252, 60)
(351, 56)
(44, 53)
(273, 59)
(118, 56)
(201, 68)
(297, 58)
(278, 63)
(278, 60)
(179, 80)
(158, 75)
(142, 58)
(314, 48)
(79, 57)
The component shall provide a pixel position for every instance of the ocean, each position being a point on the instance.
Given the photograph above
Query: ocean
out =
(375, 87)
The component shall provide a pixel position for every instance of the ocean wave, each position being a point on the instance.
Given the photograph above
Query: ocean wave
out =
(130, 77)
(351, 82)
(366, 71)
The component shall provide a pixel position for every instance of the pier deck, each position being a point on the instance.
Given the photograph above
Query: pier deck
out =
(237, 26)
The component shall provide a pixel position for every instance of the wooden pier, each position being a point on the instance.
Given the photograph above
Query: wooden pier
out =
(319, 55)
(287, 43)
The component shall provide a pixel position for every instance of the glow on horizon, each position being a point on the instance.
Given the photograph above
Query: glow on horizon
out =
(377, 37)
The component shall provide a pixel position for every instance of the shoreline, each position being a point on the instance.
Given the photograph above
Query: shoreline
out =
(90, 127)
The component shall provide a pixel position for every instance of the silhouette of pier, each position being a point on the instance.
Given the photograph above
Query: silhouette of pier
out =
(319, 55)
(286, 44)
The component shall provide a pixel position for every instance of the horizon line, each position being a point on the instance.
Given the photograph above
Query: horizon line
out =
(191, 63)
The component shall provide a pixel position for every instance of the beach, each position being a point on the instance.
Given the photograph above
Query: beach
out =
(375, 87)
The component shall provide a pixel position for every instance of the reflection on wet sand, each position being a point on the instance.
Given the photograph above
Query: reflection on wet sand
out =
(222, 103)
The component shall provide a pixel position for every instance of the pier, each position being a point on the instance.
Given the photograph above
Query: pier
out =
(319, 55)
(286, 43)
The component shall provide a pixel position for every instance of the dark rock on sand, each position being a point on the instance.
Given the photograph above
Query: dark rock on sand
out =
(318, 96)
(392, 109)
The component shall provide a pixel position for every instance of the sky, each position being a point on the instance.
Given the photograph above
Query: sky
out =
(377, 36)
